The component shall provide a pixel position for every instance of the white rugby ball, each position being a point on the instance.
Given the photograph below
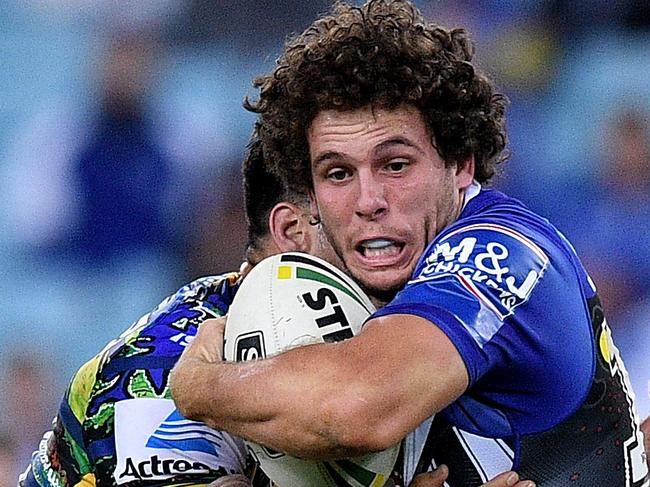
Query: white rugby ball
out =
(290, 300)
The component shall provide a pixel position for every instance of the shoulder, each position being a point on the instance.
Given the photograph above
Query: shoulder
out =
(154, 342)
(499, 235)
(499, 254)
(128, 381)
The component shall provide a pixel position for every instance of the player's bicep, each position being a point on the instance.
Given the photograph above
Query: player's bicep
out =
(417, 362)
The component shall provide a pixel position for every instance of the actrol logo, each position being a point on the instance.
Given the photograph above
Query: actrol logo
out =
(155, 467)
(178, 433)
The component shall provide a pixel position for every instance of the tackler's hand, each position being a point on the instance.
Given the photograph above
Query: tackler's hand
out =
(232, 481)
(205, 350)
(207, 345)
(431, 479)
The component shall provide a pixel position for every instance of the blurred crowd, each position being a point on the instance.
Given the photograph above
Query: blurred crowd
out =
(122, 131)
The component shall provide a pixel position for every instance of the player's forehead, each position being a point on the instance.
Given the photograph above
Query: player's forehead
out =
(364, 132)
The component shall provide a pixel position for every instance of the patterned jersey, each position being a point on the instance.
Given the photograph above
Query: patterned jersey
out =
(117, 424)
(548, 394)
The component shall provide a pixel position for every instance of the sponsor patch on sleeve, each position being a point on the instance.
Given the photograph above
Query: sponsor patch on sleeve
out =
(496, 264)
(154, 442)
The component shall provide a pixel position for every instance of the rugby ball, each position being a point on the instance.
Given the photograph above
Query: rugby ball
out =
(290, 300)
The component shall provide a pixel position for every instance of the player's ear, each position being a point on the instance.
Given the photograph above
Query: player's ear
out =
(313, 207)
(465, 172)
(288, 227)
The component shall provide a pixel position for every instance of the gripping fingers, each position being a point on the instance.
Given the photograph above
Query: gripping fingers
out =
(437, 479)
(232, 481)
(509, 479)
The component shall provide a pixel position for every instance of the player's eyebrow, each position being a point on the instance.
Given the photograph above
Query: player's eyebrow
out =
(378, 150)
(325, 156)
(396, 141)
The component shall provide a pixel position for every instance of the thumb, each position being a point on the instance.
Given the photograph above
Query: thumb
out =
(207, 345)
(232, 481)
(431, 479)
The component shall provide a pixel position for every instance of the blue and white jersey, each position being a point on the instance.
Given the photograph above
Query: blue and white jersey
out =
(548, 394)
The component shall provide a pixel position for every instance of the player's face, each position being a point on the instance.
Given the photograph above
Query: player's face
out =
(316, 241)
(381, 191)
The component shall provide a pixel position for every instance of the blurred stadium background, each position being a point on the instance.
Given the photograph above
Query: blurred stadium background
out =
(121, 134)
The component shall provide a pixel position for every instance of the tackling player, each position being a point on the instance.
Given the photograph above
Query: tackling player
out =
(497, 328)
(117, 424)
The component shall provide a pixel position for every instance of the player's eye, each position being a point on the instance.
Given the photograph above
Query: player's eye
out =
(338, 174)
(397, 165)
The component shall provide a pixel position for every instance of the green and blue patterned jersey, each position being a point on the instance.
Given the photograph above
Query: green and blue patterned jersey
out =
(117, 424)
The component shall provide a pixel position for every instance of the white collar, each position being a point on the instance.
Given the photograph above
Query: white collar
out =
(472, 191)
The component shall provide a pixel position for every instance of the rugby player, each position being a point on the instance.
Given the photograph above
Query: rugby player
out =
(493, 324)
(117, 425)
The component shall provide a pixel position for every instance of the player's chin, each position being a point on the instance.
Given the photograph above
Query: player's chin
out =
(382, 285)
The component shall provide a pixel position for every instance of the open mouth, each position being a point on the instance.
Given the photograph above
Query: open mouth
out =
(380, 248)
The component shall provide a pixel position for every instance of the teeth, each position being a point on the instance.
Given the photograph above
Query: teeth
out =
(379, 243)
(379, 248)
(384, 251)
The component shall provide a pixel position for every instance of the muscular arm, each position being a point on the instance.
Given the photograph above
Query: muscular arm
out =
(328, 400)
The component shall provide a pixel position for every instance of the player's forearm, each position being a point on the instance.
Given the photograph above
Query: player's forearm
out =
(238, 398)
(208, 392)
(254, 400)
(311, 415)
(324, 401)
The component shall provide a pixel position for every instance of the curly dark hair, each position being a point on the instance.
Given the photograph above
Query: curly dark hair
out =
(382, 54)
(262, 191)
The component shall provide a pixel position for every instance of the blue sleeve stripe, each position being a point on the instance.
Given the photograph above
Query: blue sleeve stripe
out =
(470, 352)
(189, 444)
(70, 422)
